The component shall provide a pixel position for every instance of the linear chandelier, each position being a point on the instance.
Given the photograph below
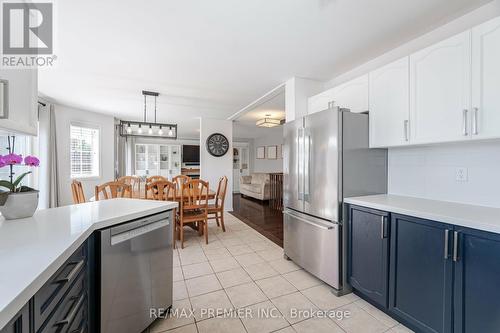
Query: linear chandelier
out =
(148, 129)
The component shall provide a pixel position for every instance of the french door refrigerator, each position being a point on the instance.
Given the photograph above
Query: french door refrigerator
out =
(326, 158)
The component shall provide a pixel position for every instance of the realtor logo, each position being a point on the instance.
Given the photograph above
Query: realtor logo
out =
(27, 34)
(27, 28)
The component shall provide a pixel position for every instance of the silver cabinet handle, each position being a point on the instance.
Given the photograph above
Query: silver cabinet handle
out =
(474, 121)
(382, 227)
(406, 127)
(464, 115)
(455, 246)
(318, 225)
(446, 241)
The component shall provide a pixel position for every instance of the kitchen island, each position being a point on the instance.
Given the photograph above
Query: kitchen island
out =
(32, 250)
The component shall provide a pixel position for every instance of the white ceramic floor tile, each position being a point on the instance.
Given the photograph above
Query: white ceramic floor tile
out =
(288, 329)
(263, 318)
(376, 313)
(195, 270)
(211, 305)
(400, 329)
(184, 329)
(294, 307)
(317, 325)
(275, 286)
(260, 246)
(239, 249)
(249, 259)
(202, 285)
(284, 266)
(219, 253)
(302, 279)
(179, 316)
(261, 271)
(359, 320)
(224, 264)
(179, 290)
(245, 294)
(233, 277)
(271, 254)
(324, 299)
(221, 325)
(177, 274)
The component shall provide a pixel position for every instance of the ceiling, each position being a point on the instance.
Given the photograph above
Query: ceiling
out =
(244, 126)
(211, 58)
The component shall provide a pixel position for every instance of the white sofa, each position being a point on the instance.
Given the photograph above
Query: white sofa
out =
(257, 186)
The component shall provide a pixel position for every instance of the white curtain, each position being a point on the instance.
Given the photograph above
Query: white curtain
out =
(47, 143)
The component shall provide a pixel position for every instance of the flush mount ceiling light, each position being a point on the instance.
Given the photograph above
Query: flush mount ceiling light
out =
(268, 122)
(146, 129)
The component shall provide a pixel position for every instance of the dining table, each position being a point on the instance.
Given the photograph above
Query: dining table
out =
(140, 193)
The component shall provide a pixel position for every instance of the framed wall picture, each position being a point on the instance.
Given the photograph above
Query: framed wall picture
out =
(261, 153)
(272, 152)
(280, 151)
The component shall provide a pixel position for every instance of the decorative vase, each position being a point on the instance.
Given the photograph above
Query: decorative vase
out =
(20, 205)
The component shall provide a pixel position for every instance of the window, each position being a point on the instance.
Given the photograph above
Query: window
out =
(84, 151)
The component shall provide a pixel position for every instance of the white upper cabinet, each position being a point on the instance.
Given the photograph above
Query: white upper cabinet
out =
(352, 95)
(389, 105)
(440, 82)
(320, 101)
(22, 97)
(485, 121)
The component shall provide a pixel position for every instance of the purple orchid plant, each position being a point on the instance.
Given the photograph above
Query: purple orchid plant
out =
(11, 160)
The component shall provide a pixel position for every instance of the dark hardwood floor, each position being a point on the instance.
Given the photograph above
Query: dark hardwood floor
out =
(259, 216)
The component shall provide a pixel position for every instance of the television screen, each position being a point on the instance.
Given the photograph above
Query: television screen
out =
(190, 154)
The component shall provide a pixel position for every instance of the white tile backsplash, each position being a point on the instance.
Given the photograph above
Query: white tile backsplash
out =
(430, 172)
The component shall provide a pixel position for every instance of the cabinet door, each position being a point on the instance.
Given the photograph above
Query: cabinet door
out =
(440, 91)
(486, 80)
(352, 95)
(389, 105)
(320, 101)
(369, 253)
(477, 274)
(22, 100)
(20, 323)
(420, 282)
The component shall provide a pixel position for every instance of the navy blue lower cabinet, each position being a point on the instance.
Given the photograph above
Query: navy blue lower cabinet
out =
(368, 263)
(421, 274)
(477, 282)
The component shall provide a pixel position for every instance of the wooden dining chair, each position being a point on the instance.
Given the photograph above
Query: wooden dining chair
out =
(162, 190)
(180, 179)
(77, 190)
(216, 210)
(149, 181)
(111, 190)
(193, 198)
(133, 181)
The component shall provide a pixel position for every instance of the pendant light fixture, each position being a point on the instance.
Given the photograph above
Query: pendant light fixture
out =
(145, 128)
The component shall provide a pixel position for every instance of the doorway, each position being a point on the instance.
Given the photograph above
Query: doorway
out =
(241, 158)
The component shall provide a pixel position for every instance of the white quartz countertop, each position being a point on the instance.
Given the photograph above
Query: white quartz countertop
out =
(32, 249)
(471, 216)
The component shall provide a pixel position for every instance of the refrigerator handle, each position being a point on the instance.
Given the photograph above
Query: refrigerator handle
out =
(300, 171)
(307, 159)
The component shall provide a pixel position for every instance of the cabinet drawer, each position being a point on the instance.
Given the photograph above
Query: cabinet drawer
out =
(69, 309)
(47, 298)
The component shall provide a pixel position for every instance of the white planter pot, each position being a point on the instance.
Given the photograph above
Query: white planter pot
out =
(20, 205)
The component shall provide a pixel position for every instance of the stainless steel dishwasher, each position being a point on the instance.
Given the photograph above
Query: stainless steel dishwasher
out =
(135, 272)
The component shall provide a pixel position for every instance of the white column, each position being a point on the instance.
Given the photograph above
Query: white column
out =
(297, 91)
(212, 168)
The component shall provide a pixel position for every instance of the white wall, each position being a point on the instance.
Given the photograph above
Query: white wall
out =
(297, 91)
(274, 138)
(212, 168)
(64, 117)
(430, 172)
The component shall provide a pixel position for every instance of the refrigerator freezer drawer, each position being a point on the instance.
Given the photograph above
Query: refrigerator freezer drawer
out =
(314, 245)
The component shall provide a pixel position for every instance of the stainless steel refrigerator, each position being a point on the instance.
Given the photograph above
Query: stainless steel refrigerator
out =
(326, 158)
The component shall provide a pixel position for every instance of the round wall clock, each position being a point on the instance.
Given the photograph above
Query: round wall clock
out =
(217, 145)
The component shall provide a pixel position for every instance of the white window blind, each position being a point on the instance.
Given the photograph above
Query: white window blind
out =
(84, 152)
